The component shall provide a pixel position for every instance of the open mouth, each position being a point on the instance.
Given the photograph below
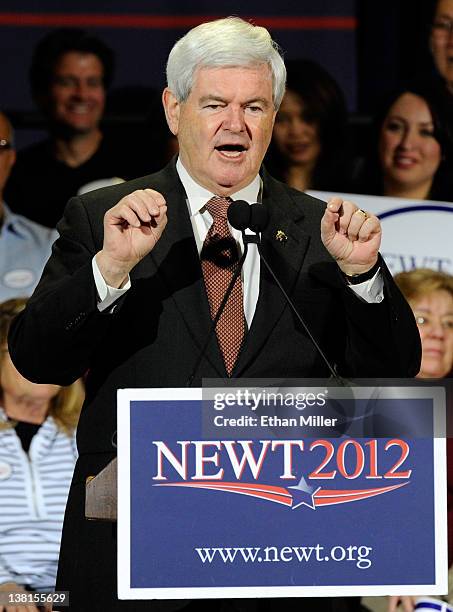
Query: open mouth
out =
(79, 109)
(403, 161)
(231, 150)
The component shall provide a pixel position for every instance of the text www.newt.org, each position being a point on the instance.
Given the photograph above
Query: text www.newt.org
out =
(360, 555)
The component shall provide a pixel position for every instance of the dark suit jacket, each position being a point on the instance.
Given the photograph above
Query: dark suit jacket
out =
(153, 337)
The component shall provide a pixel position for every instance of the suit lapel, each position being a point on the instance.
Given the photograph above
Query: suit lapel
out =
(284, 244)
(175, 259)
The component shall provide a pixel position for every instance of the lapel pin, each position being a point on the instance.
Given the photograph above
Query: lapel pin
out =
(281, 236)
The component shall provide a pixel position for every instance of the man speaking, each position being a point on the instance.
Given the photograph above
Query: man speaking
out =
(140, 269)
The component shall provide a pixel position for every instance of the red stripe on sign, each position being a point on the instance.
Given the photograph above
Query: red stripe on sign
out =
(354, 495)
(169, 21)
(229, 487)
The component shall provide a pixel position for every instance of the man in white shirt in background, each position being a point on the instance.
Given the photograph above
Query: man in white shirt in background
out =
(24, 245)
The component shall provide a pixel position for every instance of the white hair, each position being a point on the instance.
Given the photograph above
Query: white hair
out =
(225, 42)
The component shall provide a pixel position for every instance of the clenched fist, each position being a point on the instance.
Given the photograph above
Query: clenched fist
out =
(351, 235)
(131, 230)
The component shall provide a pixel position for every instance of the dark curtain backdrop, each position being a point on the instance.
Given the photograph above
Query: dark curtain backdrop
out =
(367, 45)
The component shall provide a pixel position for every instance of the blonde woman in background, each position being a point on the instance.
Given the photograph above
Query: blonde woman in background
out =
(37, 458)
(430, 295)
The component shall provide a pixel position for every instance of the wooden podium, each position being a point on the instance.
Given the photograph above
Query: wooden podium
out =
(101, 494)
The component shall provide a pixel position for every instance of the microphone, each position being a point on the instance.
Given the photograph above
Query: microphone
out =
(244, 216)
(258, 220)
(239, 211)
(238, 214)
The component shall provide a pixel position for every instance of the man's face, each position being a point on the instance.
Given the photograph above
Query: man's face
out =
(225, 125)
(77, 94)
(7, 153)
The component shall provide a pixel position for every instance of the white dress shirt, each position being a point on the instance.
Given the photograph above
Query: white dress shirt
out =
(197, 197)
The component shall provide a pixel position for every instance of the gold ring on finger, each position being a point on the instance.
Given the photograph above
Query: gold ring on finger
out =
(363, 212)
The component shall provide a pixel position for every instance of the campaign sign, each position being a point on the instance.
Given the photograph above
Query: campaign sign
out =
(243, 494)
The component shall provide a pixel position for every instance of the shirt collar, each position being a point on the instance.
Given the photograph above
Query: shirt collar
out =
(197, 196)
(10, 222)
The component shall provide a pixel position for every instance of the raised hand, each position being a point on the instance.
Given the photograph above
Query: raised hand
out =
(131, 230)
(351, 235)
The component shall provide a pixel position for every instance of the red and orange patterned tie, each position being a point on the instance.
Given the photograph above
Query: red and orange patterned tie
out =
(219, 261)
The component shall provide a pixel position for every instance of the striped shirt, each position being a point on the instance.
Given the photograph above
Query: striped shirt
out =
(33, 492)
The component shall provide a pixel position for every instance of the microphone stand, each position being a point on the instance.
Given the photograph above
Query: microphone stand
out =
(342, 382)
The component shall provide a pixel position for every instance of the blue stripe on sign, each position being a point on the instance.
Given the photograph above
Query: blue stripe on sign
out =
(406, 209)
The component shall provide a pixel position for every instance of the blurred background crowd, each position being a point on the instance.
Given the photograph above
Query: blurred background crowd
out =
(353, 119)
(381, 124)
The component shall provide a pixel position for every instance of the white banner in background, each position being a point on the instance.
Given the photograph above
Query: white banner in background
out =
(415, 234)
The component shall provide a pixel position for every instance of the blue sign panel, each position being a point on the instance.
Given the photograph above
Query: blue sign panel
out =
(274, 510)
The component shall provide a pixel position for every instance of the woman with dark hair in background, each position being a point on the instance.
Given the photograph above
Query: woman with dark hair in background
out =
(309, 139)
(411, 153)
